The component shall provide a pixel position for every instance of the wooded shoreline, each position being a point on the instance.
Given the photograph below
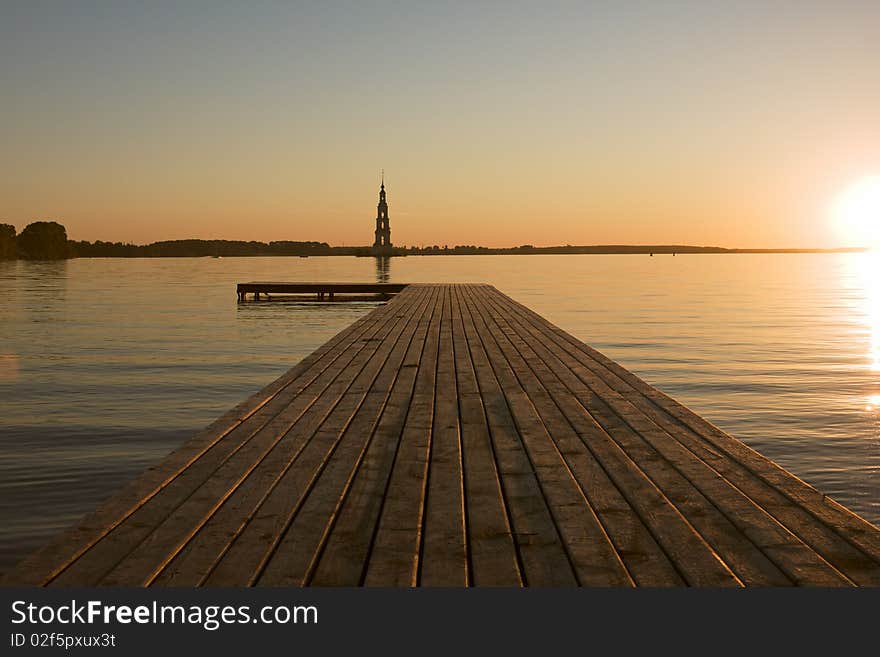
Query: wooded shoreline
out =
(48, 240)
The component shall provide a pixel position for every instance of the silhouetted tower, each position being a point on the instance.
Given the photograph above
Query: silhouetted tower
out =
(383, 228)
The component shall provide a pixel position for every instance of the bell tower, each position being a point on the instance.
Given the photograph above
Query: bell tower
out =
(382, 240)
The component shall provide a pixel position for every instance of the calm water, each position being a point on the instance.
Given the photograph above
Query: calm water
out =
(108, 364)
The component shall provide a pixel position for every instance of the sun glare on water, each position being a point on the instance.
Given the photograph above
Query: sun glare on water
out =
(867, 269)
(856, 213)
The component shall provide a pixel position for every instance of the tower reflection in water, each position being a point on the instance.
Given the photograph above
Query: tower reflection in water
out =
(383, 269)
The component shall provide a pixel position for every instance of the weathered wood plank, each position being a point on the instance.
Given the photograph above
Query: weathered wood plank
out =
(444, 546)
(344, 557)
(493, 556)
(542, 549)
(394, 557)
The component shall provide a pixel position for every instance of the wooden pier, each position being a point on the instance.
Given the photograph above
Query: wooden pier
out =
(453, 437)
(323, 291)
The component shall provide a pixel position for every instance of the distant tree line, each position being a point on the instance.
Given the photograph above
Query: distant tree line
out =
(47, 240)
(198, 248)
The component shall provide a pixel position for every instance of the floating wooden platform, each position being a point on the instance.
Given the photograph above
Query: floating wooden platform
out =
(322, 290)
(453, 437)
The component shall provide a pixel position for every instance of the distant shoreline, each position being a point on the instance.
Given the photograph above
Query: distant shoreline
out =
(230, 248)
(48, 240)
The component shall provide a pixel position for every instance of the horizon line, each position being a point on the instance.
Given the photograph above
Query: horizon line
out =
(423, 246)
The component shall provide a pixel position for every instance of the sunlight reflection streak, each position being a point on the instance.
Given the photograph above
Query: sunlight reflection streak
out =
(868, 269)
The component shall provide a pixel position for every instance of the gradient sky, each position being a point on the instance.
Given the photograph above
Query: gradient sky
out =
(724, 123)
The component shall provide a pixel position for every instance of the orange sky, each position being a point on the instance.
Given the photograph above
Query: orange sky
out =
(498, 125)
